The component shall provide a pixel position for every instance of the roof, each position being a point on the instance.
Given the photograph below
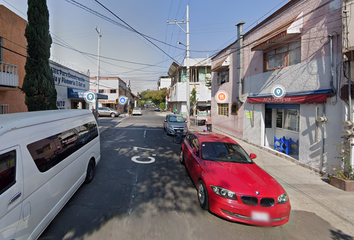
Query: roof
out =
(14, 121)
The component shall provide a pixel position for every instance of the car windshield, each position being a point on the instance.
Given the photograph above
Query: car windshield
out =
(136, 109)
(225, 152)
(176, 119)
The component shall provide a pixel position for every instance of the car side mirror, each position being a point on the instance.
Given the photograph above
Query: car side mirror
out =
(194, 151)
(253, 156)
(165, 120)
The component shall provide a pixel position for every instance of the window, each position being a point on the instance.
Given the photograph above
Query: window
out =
(288, 119)
(223, 109)
(7, 170)
(223, 77)
(101, 91)
(283, 56)
(113, 91)
(183, 75)
(50, 151)
(268, 118)
(279, 118)
(291, 119)
(234, 109)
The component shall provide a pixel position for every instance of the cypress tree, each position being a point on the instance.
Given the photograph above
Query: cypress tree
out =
(38, 84)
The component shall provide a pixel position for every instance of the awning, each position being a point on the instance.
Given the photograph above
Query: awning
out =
(222, 65)
(280, 34)
(76, 93)
(317, 96)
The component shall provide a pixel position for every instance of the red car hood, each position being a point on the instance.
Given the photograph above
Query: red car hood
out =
(243, 178)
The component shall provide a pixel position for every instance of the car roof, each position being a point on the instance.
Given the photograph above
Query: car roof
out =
(212, 137)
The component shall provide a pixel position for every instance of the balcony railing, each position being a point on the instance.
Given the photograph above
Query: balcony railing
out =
(8, 75)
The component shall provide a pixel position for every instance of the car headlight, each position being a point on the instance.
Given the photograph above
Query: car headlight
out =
(283, 198)
(222, 192)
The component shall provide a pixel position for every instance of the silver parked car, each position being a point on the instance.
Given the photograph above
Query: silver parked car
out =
(105, 111)
(175, 123)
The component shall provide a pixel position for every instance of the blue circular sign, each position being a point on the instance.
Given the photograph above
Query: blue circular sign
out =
(90, 97)
(122, 100)
(278, 91)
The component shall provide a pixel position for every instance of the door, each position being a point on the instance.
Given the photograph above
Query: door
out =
(11, 191)
(268, 124)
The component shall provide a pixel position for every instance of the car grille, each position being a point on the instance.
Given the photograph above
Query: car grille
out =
(179, 129)
(253, 201)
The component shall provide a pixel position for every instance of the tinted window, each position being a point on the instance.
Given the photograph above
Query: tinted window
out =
(226, 152)
(7, 170)
(50, 151)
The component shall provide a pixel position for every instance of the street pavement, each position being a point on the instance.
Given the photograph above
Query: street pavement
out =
(308, 190)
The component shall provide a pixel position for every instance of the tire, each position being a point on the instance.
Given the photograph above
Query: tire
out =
(90, 173)
(113, 115)
(181, 157)
(202, 193)
(177, 138)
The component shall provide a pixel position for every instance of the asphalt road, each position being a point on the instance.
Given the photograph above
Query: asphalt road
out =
(141, 191)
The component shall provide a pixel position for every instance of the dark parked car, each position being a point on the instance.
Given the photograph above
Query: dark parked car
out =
(157, 109)
(230, 184)
(105, 111)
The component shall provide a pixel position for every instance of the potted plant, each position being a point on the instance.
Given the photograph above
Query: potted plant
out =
(344, 176)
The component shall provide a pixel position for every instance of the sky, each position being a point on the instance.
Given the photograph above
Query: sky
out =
(137, 44)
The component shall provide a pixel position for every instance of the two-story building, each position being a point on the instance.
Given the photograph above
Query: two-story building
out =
(200, 73)
(13, 54)
(282, 80)
(114, 88)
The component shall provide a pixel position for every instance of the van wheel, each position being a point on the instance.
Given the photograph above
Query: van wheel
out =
(90, 171)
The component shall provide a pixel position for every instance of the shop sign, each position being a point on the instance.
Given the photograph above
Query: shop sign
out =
(221, 97)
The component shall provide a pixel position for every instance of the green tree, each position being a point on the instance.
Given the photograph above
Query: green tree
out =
(38, 84)
(156, 96)
(193, 98)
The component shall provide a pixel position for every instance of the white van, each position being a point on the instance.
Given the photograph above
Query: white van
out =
(45, 156)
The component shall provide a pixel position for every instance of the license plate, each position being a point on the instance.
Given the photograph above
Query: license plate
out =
(260, 216)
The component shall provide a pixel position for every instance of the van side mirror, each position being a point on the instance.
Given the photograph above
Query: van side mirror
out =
(253, 156)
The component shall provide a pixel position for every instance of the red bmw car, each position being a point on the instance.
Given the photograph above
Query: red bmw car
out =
(230, 184)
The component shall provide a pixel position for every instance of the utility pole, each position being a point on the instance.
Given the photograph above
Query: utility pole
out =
(98, 69)
(188, 64)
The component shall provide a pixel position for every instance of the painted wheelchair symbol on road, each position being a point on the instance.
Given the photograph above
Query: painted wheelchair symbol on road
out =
(143, 159)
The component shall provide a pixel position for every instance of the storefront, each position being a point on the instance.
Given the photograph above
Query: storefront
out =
(282, 116)
(67, 82)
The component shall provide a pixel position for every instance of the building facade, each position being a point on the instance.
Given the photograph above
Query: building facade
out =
(12, 61)
(282, 80)
(199, 77)
(114, 88)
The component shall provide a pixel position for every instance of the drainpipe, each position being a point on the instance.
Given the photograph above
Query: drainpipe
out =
(332, 64)
(349, 90)
(240, 60)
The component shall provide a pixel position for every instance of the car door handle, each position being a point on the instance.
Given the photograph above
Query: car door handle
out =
(14, 198)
